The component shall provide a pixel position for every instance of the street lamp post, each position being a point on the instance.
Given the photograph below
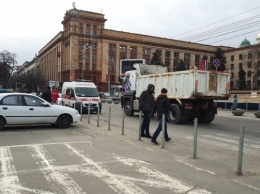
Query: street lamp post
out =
(109, 72)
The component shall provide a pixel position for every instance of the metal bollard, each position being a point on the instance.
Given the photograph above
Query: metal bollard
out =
(123, 122)
(240, 151)
(88, 113)
(140, 125)
(163, 130)
(195, 138)
(81, 111)
(109, 118)
(97, 115)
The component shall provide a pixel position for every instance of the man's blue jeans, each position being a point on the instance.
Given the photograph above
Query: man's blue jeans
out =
(159, 128)
(146, 124)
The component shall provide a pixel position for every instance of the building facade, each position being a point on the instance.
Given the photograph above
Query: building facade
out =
(86, 50)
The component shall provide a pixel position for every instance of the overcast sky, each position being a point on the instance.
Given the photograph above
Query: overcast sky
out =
(27, 25)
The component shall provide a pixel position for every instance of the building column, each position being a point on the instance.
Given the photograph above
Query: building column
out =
(163, 56)
(192, 60)
(171, 60)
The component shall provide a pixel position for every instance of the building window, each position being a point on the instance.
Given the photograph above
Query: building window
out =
(232, 58)
(112, 78)
(87, 66)
(249, 55)
(186, 56)
(232, 75)
(87, 56)
(80, 65)
(249, 74)
(232, 67)
(249, 65)
(95, 31)
(94, 67)
(122, 49)
(88, 30)
(133, 49)
(111, 59)
(240, 66)
(80, 55)
(81, 28)
(112, 48)
(167, 54)
(146, 51)
(94, 46)
(94, 57)
(240, 56)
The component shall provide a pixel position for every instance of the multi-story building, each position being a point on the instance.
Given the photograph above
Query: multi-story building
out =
(86, 50)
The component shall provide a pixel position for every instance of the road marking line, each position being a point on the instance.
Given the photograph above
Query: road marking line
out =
(9, 180)
(197, 168)
(58, 143)
(247, 150)
(60, 182)
(110, 179)
(159, 179)
(255, 188)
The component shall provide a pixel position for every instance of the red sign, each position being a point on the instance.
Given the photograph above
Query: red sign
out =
(203, 64)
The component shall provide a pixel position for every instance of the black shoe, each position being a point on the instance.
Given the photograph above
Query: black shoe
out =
(143, 135)
(155, 142)
(148, 136)
(168, 139)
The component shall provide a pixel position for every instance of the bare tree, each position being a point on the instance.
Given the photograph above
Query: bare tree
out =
(7, 66)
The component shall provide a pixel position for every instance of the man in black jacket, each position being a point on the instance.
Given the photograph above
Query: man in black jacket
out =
(146, 102)
(47, 94)
(162, 106)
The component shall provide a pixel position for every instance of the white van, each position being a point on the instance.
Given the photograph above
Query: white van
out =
(81, 91)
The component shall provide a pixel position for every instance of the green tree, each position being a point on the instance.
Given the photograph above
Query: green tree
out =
(219, 54)
(7, 66)
(24, 83)
(156, 59)
(242, 79)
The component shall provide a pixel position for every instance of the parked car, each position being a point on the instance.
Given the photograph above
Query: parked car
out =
(25, 109)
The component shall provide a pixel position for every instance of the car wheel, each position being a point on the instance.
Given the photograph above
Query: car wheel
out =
(2, 123)
(64, 121)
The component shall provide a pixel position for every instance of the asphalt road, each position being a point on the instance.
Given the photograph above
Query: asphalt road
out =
(89, 158)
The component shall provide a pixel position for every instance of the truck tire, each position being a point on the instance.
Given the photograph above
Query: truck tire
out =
(206, 117)
(128, 108)
(175, 116)
(209, 118)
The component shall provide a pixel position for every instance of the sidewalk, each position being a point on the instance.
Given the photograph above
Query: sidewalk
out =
(213, 170)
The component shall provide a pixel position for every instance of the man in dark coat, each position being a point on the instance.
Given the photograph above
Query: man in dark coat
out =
(47, 95)
(162, 106)
(146, 102)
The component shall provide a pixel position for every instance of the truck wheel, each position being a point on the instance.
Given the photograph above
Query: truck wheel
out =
(209, 118)
(174, 116)
(128, 108)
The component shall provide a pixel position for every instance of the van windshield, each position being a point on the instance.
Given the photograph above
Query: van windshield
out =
(86, 92)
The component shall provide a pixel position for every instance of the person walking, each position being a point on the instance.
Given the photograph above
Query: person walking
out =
(162, 106)
(146, 103)
(54, 95)
(46, 95)
(234, 105)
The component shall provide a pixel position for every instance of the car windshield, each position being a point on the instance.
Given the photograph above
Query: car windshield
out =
(86, 92)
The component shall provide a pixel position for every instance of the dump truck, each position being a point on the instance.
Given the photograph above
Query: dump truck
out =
(192, 93)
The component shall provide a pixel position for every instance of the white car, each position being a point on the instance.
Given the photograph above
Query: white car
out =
(26, 109)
